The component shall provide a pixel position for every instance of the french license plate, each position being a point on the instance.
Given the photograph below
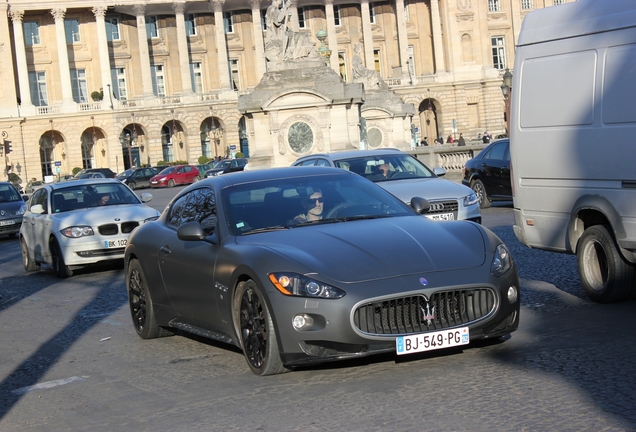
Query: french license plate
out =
(8, 222)
(442, 216)
(432, 341)
(115, 243)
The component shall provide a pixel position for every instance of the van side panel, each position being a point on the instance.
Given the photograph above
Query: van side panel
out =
(573, 138)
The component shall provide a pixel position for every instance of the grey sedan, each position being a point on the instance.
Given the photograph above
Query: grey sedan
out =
(307, 265)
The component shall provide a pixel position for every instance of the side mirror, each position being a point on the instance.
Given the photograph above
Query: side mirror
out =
(420, 205)
(191, 231)
(439, 171)
(37, 209)
(146, 197)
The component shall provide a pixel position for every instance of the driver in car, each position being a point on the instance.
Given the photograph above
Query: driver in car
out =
(313, 205)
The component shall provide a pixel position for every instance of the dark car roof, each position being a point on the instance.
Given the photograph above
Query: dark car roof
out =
(273, 173)
(489, 146)
(346, 154)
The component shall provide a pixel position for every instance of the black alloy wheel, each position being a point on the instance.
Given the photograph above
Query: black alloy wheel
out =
(258, 337)
(480, 190)
(61, 269)
(141, 309)
(27, 262)
(132, 185)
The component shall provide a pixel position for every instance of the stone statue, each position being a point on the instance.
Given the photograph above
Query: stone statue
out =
(283, 46)
(370, 78)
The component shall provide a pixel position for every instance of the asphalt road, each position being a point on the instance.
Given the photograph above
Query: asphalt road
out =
(70, 360)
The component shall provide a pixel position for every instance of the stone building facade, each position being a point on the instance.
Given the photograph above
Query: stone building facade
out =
(130, 82)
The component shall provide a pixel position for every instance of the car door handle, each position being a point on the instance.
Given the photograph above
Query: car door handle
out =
(165, 250)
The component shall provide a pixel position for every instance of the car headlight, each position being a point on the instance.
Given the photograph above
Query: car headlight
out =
(501, 262)
(470, 200)
(77, 231)
(22, 210)
(293, 284)
(162, 179)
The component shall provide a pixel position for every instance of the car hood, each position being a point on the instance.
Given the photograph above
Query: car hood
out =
(366, 250)
(10, 207)
(432, 189)
(102, 215)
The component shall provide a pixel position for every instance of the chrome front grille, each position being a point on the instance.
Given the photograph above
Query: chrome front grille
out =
(443, 207)
(413, 314)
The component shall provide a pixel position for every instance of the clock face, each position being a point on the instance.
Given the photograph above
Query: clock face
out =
(374, 137)
(300, 137)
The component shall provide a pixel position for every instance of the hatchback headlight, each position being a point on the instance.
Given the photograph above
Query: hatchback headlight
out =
(293, 284)
(501, 262)
(22, 210)
(470, 200)
(77, 231)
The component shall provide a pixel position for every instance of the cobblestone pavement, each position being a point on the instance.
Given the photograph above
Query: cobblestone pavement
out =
(70, 360)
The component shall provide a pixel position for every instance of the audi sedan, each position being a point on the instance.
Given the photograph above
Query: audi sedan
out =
(73, 224)
(300, 266)
(405, 176)
(488, 173)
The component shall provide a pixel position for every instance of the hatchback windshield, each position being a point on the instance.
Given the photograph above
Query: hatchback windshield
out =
(386, 167)
(293, 203)
(223, 164)
(8, 193)
(168, 170)
(84, 196)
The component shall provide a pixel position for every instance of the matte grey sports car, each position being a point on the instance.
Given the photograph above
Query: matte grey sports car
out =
(308, 265)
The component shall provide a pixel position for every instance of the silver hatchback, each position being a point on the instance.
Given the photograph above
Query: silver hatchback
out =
(405, 177)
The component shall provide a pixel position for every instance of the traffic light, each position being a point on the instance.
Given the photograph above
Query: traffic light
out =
(7, 147)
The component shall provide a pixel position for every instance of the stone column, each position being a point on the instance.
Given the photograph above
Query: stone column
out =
(438, 44)
(104, 60)
(367, 37)
(144, 54)
(259, 45)
(62, 53)
(20, 58)
(221, 45)
(403, 41)
(293, 22)
(332, 38)
(182, 43)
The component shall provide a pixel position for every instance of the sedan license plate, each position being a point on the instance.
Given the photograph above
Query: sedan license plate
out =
(432, 341)
(8, 222)
(442, 216)
(115, 243)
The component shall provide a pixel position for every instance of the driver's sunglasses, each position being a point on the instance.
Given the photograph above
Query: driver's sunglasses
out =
(319, 199)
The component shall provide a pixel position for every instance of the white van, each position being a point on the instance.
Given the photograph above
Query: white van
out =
(573, 139)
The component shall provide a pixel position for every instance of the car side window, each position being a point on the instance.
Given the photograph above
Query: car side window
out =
(198, 205)
(308, 162)
(322, 162)
(497, 152)
(174, 218)
(40, 197)
(201, 207)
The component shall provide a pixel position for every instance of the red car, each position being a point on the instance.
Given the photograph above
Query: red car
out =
(175, 175)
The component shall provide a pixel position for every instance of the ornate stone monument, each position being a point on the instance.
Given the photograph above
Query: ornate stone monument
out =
(301, 106)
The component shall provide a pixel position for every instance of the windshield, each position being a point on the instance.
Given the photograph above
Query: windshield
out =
(296, 202)
(168, 170)
(84, 196)
(126, 173)
(8, 193)
(383, 167)
(223, 164)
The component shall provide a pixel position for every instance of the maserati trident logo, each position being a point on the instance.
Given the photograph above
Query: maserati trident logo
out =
(428, 314)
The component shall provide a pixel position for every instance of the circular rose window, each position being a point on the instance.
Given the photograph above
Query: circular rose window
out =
(300, 137)
(374, 137)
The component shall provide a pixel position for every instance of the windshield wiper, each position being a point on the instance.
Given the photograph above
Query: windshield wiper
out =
(266, 229)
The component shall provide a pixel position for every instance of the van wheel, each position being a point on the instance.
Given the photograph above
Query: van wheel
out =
(606, 276)
(479, 189)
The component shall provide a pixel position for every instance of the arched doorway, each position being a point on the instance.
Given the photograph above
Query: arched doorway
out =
(429, 120)
(212, 137)
(129, 140)
(52, 154)
(244, 137)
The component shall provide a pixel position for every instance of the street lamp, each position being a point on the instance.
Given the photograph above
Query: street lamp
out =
(506, 89)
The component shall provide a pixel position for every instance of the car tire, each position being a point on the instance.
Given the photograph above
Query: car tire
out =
(480, 190)
(255, 327)
(140, 303)
(171, 183)
(27, 262)
(605, 275)
(132, 185)
(59, 266)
